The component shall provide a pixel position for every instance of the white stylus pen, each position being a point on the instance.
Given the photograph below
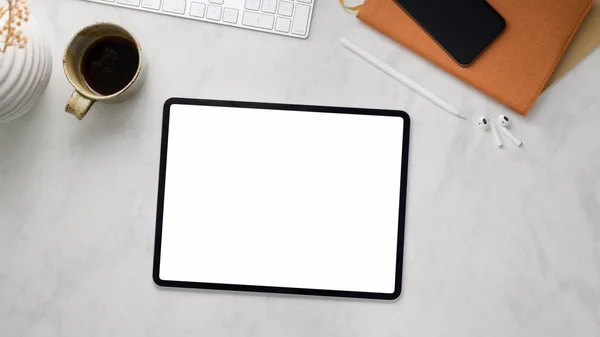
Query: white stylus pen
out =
(412, 85)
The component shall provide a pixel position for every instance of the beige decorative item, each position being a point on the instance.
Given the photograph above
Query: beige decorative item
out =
(85, 40)
(25, 60)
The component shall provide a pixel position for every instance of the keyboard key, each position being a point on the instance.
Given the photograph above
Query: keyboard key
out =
(174, 6)
(286, 8)
(305, 1)
(269, 6)
(252, 4)
(151, 4)
(197, 9)
(218, 2)
(283, 25)
(230, 15)
(258, 20)
(213, 12)
(135, 3)
(300, 19)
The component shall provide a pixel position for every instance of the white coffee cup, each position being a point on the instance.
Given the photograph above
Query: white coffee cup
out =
(84, 96)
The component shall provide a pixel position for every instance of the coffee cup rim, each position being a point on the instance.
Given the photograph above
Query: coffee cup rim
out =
(88, 92)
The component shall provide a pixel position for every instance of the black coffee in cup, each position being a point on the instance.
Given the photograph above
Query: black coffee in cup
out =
(110, 64)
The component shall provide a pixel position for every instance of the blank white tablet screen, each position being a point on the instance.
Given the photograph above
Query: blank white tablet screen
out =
(281, 198)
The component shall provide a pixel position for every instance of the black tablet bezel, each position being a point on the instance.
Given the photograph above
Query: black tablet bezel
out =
(269, 289)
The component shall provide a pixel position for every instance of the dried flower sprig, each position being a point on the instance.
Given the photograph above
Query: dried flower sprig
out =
(13, 15)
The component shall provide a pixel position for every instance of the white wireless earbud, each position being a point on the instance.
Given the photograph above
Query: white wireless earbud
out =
(485, 124)
(505, 122)
(496, 135)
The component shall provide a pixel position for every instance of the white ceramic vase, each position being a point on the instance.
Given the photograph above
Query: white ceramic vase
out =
(24, 73)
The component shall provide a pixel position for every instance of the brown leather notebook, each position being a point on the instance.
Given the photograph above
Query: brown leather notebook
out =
(515, 68)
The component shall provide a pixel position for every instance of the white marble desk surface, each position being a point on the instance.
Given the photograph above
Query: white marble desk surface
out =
(498, 242)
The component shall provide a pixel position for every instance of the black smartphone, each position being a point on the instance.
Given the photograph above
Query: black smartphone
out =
(464, 28)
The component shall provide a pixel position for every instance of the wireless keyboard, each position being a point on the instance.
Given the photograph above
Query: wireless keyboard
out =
(283, 17)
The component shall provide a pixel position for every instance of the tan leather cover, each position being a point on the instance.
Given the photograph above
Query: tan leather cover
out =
(515, 68)
(585, 41)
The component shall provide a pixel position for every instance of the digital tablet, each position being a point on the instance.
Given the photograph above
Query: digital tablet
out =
(280, 198)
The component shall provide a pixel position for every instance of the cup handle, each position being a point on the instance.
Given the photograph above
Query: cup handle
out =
(78, 105)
